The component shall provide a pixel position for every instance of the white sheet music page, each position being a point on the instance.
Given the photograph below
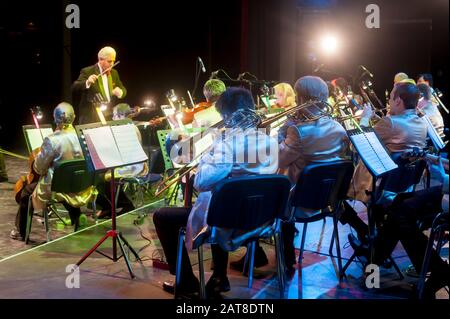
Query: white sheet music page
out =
(433, 134)
(35, 136)
(128, 144)
(373, 153)
(102, 148)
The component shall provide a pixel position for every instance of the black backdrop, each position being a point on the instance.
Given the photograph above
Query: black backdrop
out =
(158, 43)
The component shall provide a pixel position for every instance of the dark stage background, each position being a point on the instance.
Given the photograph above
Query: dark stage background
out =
(158, 44)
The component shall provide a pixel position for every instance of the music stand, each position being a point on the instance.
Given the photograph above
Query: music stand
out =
(378, 162)
(34, 137)
(95, 138)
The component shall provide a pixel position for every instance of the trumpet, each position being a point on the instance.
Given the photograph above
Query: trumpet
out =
(311, 110)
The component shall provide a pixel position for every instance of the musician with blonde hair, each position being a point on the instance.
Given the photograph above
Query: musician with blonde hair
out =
(285, 95)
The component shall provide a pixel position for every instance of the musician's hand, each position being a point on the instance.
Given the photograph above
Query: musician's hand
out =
(91, 79)
(117, 92)
(437, 169)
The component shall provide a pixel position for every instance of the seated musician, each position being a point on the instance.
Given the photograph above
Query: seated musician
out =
(401, 130)
(315, 137)
(237, 108)
(212, 90)
(285, 95)
(428, 108)
(120, 112)
(400, 77)
(401, 223)
(63, 144)
(311, 136)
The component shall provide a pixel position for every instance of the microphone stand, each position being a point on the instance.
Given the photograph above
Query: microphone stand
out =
(440, 102)
(197, 76)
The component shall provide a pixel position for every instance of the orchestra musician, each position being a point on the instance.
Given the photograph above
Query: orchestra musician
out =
(237, 108)
(311, 136)
(401, 130)
(285, 95)
(96, 79)
(63, 144)
(430, 109)
(400, 77)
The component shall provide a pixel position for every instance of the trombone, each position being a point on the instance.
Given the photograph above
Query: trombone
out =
(185, 170)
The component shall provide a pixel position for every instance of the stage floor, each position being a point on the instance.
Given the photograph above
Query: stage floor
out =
(39, 270)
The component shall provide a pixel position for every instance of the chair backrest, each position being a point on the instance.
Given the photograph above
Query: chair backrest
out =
(248, 202)
(322, 185)
(406, 175)
(71, 176)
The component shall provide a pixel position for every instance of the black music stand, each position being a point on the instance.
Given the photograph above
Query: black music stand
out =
(378, 162)
(93, 156)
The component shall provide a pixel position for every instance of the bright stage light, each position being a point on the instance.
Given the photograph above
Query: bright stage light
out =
(103, 107)
(148, 102)
(329, 44)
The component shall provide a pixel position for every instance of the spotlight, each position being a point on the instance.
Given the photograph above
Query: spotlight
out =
(171, 95)
(103, 107)
(37, 112)
(329, 44)
(148, 102)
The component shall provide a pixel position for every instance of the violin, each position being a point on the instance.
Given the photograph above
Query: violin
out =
(31, 177)
(188, 113)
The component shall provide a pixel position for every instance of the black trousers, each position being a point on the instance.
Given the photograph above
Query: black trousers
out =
(21, 217)
(168, 222)
(402, 224)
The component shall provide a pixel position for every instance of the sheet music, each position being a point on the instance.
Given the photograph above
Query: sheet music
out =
(433, 134)
(102, 148)
(128, 144)
(35, 137)
(372, 152)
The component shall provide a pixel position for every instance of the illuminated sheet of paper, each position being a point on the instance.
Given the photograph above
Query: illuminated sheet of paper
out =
(128, 144)
(35, 137)
(102, 148)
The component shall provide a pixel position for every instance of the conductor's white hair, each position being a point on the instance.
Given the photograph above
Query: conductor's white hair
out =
(106, 52)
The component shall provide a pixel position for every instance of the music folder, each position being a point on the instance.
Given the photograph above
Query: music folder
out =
(113, 146)
(372, 152)
(433, 134)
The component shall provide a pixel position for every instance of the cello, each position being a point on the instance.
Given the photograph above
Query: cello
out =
(31, 177)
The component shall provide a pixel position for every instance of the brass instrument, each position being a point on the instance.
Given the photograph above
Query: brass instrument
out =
(311, 111)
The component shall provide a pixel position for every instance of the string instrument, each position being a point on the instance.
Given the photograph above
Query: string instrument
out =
(188, 113)
(31, 177)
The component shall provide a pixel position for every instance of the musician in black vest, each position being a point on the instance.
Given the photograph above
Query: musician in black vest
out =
(98, 82)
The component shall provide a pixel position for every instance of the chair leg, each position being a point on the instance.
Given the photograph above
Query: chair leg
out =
(30, 212)
(252, 247)
(397, 269)
(302, 245)
(181, 235)
(338, 246)
(46, 224)
(330, 251)
(280, 265)
(201, 272)
(425, 264)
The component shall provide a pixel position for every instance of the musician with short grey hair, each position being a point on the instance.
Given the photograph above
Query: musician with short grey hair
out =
(63, 144)
(98, 83)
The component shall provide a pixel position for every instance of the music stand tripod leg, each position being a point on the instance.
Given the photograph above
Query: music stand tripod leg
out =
(126, 243)
(127, 261)
(93, 249)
